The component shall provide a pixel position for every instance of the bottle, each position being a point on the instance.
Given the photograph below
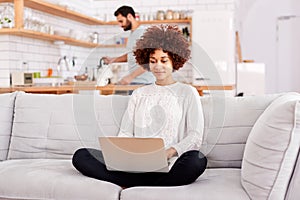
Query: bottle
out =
(95, 38)
(169, 15)
(25, 67)
(160, 15)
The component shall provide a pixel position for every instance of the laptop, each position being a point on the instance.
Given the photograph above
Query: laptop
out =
(131, 154)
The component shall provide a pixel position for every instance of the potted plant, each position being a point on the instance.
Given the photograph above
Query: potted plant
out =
(1, 22)
(7, 23)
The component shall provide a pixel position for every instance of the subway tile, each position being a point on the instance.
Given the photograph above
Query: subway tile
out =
(4, 82)
(16, 55)
(27, 40)
(4, 64)
(29, 56)
(4, 38)
(190, 2)
(15, 65)
(231, 7)
(214, 7)
(226, 1)
(14, 38)
(4, 73)
(34, 49)
(207, 1)
(21, 47)
(199, 7)
(44, 49)
(4, 46)
(4, 55)
(12, 46)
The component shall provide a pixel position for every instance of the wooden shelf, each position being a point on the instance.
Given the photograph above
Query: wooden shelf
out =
(58, 11)
(73, 15)
(68, 14)
(45, 36)
(179, 21)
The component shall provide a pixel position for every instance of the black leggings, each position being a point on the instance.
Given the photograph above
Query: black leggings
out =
(187, 168)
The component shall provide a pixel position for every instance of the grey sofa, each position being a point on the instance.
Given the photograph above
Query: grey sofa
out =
(40, 132)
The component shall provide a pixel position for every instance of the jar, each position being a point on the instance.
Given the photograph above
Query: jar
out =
(169, 14)
(176, 15)
(182, 14)
(137, 16)
(160, 15)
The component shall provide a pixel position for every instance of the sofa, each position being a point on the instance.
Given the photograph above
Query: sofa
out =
(252, 146)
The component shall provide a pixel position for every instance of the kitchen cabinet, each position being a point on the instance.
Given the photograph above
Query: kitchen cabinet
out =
(60, 11)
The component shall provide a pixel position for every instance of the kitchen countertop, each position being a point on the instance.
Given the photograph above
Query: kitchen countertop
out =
(105, 90)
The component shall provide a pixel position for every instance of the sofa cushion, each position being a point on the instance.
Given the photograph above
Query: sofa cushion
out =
(212, 184)
(6, 117)
(272, 148)
(51, 179)
(54, 126)
(227, 124)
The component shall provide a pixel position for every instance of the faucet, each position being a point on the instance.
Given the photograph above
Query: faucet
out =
(101, 63)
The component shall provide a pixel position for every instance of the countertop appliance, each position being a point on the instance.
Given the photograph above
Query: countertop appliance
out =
(21, 78)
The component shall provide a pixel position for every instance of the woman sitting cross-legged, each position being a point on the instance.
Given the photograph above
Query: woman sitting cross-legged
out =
(166, 109)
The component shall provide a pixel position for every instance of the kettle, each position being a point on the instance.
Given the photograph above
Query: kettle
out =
(104, 73)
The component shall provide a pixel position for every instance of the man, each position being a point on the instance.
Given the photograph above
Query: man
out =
(137, 75)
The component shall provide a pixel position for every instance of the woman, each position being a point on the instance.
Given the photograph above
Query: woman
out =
(166, 109)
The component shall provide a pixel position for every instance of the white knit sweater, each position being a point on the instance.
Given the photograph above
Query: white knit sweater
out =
(172, 112)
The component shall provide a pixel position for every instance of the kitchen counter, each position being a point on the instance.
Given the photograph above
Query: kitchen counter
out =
(104, 90)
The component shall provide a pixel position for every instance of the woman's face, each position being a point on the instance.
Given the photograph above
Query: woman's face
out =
(162, 67)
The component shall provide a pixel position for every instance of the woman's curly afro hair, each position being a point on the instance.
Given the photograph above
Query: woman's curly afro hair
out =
(167, 38)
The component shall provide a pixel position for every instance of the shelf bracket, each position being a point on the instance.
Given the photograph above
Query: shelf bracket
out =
(19, 10)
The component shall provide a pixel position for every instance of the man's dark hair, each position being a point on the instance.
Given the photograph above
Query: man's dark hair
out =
(124, 11)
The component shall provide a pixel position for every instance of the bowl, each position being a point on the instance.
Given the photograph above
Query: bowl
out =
(82, 77)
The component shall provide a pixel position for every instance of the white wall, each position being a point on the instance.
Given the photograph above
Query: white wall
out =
(257, 26)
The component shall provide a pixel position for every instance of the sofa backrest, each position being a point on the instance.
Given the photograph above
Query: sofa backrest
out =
(6, 117)
(228, 122)
(54, 126)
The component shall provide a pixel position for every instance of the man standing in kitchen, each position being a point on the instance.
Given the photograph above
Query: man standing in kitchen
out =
(136, 74)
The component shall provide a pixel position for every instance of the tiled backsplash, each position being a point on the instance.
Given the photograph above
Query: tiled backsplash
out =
(41, 55)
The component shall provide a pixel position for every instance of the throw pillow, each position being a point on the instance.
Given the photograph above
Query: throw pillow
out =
(271, 149)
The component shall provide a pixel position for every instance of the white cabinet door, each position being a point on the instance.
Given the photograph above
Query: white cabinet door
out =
(251, 78)
(213, 47)
(288, 54)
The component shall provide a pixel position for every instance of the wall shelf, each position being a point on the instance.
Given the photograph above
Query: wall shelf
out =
(48, 37)
(58, 11)
(63, 12)
(179, 21)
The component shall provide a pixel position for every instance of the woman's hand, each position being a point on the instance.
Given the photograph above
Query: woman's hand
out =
(171, 152)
